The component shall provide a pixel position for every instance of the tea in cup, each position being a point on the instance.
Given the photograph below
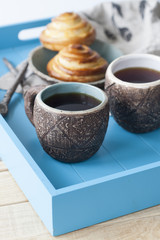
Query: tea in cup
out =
(133, 88)
(71, 119)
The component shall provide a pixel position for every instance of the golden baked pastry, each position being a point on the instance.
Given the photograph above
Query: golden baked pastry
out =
(77, 63)
(65, 29)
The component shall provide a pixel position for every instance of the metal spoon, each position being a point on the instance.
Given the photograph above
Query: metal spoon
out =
(9, 93)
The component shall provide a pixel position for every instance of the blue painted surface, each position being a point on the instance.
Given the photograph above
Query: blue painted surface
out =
(28, 176)
(16, 55)
(107, 199)
(84, 193)
(59, 174)
(122, 177)
(9, 34)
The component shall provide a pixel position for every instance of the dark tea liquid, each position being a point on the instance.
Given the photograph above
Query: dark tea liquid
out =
(72, 101)
(138, 75)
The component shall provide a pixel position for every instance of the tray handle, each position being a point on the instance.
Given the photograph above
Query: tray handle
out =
(10, 34)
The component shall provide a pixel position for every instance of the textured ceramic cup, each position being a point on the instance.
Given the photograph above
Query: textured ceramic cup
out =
(135, 106)
(68, 136)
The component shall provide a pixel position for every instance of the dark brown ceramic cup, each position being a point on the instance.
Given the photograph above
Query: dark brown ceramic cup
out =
(135, 106)
(68, 136)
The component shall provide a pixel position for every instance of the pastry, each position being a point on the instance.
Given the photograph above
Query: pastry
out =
(77, 63)
(65, 29)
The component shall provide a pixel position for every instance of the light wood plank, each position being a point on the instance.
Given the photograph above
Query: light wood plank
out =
(10, 193)
(20, 222)
(2, 166)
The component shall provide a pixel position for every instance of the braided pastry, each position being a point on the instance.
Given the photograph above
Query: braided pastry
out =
(77, 63)
(67, 28)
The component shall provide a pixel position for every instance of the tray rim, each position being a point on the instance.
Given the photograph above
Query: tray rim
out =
(4, 125)
(49, 186)
(11, 31)
(50, 213)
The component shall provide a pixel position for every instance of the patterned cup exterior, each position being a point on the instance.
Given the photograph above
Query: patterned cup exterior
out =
(135, 107)
(72, 137)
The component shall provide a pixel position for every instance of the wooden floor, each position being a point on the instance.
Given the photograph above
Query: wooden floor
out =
(18, 221)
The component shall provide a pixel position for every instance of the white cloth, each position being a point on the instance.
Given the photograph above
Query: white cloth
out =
(131, 26)
(30, 80)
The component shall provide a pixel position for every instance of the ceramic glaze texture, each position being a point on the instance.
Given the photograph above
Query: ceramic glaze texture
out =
(135, 107)
(136, 110)
(70, 138)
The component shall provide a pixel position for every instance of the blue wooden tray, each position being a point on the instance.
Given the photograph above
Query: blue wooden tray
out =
(122, 177)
